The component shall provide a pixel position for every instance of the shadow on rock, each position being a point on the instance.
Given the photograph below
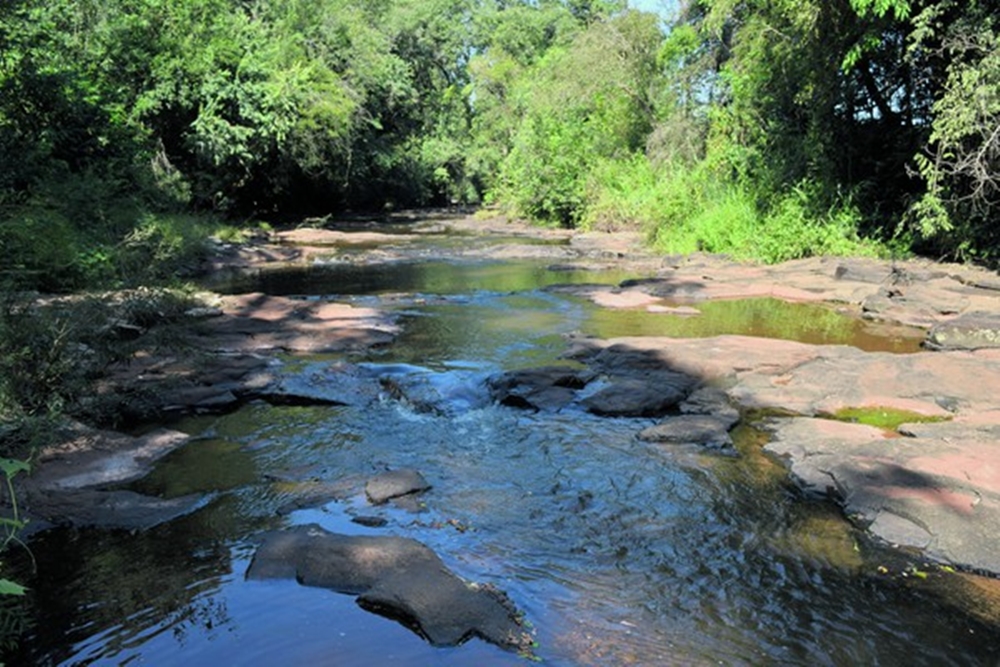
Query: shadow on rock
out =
(395, 577)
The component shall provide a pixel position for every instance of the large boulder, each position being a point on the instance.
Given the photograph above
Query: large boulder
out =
(395, 577)
(649, 395)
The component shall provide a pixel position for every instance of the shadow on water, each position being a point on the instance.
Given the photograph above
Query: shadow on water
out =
(414, 276)
(618, 551)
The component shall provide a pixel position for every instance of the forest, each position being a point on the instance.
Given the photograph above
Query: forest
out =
(767, 130)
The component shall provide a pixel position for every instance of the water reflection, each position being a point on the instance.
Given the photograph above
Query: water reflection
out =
(815, 324)
(412, 276)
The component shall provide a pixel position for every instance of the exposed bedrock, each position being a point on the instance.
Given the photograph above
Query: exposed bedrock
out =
(931, 482)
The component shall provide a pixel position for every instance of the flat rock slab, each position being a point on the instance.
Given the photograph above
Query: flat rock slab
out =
(917, 293)
(313, 236)
(395, 577)
(917, 492)
(261, 323)
(88, 457)
(323, 383)
(712, 432)
(68, 484)
(394, 484)
(106, 508)
(192, 383)
(970, 331)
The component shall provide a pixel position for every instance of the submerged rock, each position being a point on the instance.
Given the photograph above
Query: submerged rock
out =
(394, 484)
(395, 577)
(449, 393)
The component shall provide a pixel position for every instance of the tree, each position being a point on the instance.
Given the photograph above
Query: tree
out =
(960, 165)
(589, 100)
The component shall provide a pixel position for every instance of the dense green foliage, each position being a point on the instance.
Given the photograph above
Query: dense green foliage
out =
(767, 130)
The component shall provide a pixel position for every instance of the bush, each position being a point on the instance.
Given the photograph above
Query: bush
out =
(40, 249)
(161, 247)
(39, 371)
(686, 210)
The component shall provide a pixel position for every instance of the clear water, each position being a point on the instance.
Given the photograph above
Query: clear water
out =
(618, 551)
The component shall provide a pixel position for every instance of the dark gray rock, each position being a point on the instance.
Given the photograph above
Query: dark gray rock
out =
(108, 508)
(651, 396)
(395, 577)
(967, 332)
(393, 484)
(704, 430)
(862, 271)
(545, 388)
(370, 521)
(712, 401)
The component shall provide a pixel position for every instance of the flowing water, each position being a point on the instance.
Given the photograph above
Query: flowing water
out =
(619, 552)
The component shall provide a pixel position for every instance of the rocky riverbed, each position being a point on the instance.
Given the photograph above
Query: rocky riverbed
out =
(903, 443)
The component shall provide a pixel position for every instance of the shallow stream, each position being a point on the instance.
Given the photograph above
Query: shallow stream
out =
(618, 551)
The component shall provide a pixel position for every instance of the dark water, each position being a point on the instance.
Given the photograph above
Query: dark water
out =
(619, 552)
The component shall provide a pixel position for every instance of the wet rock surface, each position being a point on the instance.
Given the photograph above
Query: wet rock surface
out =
(396, 577)
(545, 388)
(649, 395)
(970, 331)
(707, 430)
(393, 484)
(76, 482)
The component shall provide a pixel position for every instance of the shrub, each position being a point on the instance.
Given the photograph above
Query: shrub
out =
(686, 210)
(40, 249)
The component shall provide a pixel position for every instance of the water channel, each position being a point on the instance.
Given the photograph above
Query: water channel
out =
(618, 551)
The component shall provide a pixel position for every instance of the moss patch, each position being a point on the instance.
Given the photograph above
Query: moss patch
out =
(882, 417)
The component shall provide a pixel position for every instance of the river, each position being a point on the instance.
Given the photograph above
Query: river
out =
(617, 551)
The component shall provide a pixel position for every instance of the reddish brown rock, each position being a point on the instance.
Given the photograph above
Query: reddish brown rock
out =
(934, 486)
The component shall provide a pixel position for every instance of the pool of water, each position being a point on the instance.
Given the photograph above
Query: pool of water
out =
(618, 551)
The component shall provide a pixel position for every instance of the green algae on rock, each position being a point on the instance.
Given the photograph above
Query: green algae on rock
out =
(883, 417)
